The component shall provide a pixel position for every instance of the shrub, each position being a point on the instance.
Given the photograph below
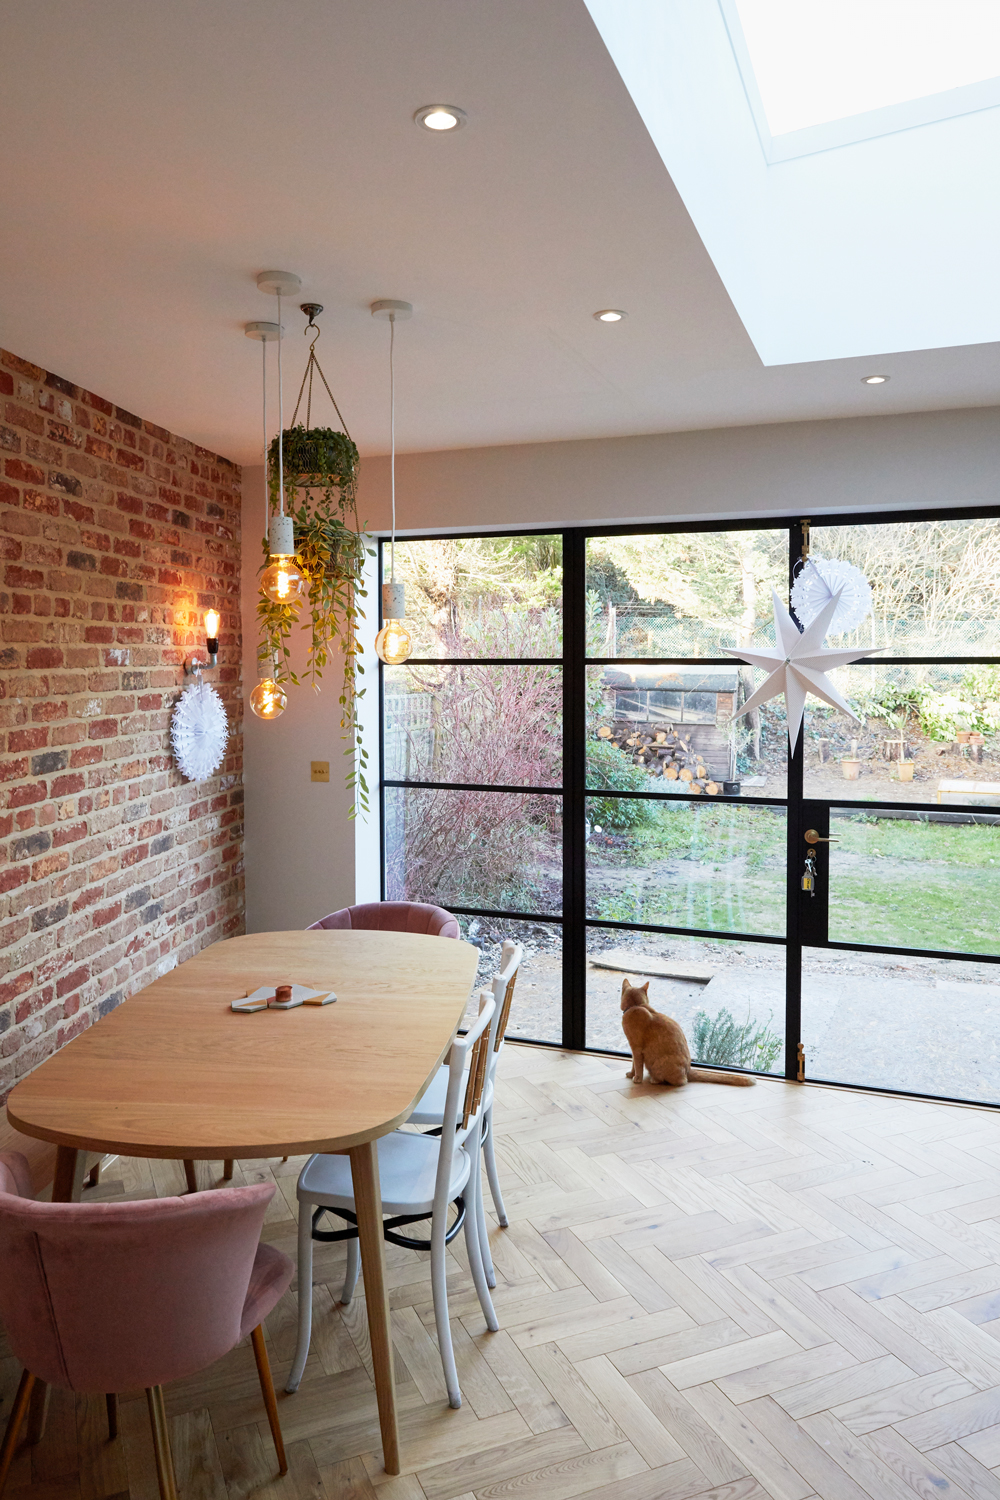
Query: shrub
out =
(719, 1039)
(942, 715)
(608, 767)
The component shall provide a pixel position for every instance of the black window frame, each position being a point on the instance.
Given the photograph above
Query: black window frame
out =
(802, 812)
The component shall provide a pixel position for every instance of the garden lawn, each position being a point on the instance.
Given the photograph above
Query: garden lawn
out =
(916, 885)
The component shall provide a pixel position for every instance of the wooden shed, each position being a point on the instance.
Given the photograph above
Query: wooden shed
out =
(700, 701)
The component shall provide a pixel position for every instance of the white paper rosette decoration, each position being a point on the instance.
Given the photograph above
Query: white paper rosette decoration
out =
(199, 730)
(820, 580)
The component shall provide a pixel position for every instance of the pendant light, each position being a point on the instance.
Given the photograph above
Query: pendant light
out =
(281, 581)
(268, 699)
(393, 644)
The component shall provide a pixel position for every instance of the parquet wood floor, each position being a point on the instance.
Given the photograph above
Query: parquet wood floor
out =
(721, 1293)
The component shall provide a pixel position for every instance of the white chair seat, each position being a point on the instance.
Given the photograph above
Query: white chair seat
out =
(430, 1110)
(407, 1169)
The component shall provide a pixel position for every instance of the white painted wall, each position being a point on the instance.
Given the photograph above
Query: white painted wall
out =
(303, 856)
(781, 469)
(299, 843)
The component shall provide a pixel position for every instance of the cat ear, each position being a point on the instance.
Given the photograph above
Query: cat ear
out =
(645, 988)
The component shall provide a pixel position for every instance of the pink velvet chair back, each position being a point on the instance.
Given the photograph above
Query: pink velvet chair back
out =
(392, 916)
(118, 1296)
(15, 1174)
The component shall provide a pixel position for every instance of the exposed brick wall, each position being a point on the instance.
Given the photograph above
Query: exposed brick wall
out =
(115, 537)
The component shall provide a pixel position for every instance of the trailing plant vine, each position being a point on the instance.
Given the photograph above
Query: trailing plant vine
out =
(320, 467)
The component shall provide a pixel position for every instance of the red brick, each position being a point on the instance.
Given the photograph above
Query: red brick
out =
(24, 796)
(16, 468)
(69, 834)
(42, 657)
(86, 755)
(67, 786)
(20, 416)
(27, 739)
(72, 981)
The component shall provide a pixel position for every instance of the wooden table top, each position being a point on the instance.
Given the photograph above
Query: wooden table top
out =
(175, 1073)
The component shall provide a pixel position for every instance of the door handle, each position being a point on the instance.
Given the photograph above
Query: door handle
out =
(812, 837)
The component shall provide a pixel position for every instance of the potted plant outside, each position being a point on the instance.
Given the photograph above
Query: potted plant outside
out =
(850, 765)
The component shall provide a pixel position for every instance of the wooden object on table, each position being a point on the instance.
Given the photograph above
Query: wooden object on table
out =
(174, 1074)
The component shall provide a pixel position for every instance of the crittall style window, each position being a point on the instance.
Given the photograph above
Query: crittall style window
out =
(563, 761)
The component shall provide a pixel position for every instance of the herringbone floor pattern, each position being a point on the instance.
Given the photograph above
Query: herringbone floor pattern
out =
(725, 1293)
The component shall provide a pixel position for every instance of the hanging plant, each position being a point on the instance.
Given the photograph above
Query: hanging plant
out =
(320, 480)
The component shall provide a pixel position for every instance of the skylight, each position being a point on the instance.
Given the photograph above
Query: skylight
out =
(816, 61)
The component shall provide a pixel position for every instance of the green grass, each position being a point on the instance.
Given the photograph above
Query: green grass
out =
(737, 883)
(894, 882)
(916, 885)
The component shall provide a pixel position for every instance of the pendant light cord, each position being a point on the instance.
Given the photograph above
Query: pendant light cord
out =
(392, 444)
(281, 417)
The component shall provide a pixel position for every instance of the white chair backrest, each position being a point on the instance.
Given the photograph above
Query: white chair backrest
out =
(511, 957)
(467, 1065)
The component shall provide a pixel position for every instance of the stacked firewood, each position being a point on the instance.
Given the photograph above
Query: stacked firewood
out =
(661, 752)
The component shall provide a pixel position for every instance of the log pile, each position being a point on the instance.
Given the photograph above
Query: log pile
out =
(661, 752)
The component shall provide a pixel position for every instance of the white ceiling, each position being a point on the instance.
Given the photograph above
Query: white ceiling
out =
(157, 154)
(887, 242)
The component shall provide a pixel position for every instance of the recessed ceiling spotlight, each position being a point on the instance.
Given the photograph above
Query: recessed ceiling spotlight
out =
(441, 117)
(874, 379)
(610, 315)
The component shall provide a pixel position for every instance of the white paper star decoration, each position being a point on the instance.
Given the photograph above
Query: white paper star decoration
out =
(799, 665)
(199, 731)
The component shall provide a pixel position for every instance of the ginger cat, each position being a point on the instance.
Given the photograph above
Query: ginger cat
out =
(659, 1045)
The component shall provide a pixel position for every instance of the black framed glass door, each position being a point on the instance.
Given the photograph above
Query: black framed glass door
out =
(562, 762)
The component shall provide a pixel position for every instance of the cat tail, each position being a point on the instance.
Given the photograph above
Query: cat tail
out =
(708, 1075)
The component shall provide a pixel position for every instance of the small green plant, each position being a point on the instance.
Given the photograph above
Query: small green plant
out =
(719, 1039)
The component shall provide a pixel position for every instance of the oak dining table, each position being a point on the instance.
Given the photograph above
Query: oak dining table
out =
(175, 1073)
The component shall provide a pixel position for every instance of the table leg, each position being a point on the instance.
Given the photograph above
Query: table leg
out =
(368, 1202)
(66, 1183)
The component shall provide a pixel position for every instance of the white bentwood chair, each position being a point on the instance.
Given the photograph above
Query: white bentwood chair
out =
(420, 1176)
(430, 1110)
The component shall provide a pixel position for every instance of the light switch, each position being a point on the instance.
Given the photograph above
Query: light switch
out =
(319, 770)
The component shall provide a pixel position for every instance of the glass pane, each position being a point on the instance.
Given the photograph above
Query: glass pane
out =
(927, 734)
(682, 863)
(482, 596)
(498, 850)
(916, 880)
(498, 725)
(924, 1025)
(683, 593)
(536, 1010)
(728, 997)
(672, 729)
(935, 584)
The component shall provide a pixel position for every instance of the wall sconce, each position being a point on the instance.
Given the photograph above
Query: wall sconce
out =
(192, 667)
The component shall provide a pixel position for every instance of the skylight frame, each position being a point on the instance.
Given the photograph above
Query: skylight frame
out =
(931, 109)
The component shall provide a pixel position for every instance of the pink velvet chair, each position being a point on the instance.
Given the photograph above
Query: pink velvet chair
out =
(392, 916)
(113, 1296)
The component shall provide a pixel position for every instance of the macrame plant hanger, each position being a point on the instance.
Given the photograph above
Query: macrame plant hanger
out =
(313, 367)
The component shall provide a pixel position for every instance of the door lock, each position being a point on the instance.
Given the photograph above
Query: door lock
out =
(812, 837)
